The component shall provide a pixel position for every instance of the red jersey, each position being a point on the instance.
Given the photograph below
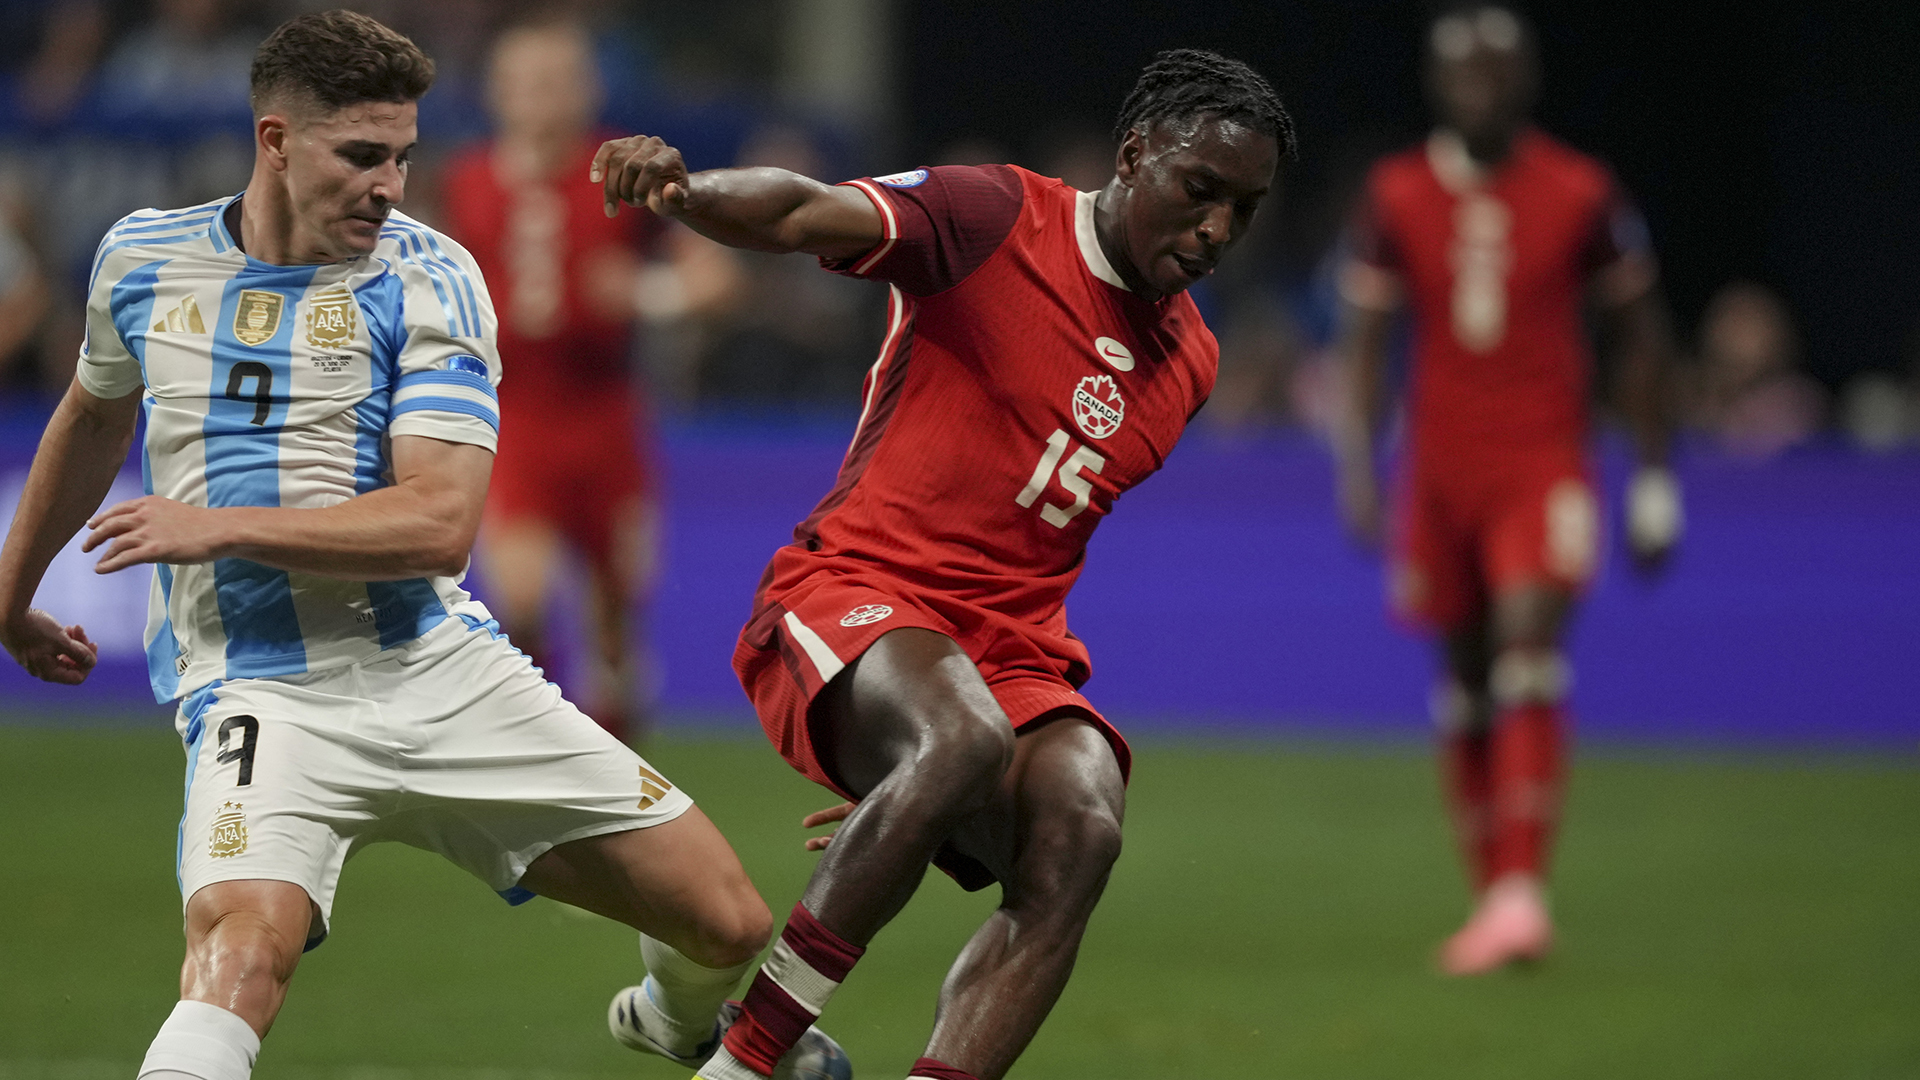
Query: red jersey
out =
(1021, 388)
(1495, 266)
(540, 244)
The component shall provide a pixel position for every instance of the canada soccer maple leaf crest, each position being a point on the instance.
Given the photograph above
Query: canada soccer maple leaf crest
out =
(1098, 407)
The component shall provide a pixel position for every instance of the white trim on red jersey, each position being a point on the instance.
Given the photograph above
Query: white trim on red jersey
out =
(896, 319)
(889, 225)
(1095, 258)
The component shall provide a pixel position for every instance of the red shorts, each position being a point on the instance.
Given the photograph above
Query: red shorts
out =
(1464, 535)
(576, 465)
(805, 634)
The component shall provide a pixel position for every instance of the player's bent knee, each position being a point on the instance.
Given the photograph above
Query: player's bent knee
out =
(741, 928)
(972, 749)
(241, 947)
(1067, 857)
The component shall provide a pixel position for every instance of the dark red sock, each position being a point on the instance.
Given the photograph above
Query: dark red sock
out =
(1466, 769)
(1529, 764)
(808, 964)
(930, 1069)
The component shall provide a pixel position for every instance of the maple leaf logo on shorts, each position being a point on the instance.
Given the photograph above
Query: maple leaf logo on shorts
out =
(1098, 407)
(864, 614)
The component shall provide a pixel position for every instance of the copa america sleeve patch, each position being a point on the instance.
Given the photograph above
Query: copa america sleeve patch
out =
(911, 178)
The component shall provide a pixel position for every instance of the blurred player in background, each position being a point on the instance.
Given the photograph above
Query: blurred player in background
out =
(1495, 237)
(910, 650)
(317, 372)
(572, 470)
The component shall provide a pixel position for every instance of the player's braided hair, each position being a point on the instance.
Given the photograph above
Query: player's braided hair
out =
(1184, 83)
(333, 59)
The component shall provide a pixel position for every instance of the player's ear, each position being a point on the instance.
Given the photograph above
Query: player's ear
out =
(1126, 160)
(270, 133)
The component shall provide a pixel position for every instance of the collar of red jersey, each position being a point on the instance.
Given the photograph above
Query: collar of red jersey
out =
(1090, 252)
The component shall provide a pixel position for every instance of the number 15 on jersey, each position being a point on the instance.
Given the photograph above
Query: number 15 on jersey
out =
(1069, 474)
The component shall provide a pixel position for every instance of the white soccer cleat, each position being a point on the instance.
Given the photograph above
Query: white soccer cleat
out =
(638, 1025)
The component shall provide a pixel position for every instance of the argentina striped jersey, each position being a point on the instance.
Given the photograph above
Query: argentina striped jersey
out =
(284, 386)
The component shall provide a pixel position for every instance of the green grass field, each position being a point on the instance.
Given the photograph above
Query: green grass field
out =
(1274, 916)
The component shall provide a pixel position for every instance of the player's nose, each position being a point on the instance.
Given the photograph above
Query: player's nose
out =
(1216, 228)
(389, 184)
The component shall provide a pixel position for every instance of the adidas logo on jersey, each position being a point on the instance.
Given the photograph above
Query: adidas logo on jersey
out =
(184, 319)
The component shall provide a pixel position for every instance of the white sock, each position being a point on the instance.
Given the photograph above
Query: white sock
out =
(685, 996)
(724, 1066)
(201, 1042)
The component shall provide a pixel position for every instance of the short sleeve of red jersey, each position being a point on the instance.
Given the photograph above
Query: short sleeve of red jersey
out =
(939, 225)
(1618, 254)
(1371, 264)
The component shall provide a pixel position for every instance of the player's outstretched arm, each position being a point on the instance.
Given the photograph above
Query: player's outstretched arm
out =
(420, 526)
(1643, 343)
(81, 452)
(761, 209)
(1362, 352)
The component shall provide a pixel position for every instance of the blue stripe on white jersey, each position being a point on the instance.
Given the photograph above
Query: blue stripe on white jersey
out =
(403, 610)
(244, 420)
(154, 231)
(450, 282)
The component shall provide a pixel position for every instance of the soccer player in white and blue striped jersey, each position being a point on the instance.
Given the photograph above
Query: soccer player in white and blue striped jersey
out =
(317, 375)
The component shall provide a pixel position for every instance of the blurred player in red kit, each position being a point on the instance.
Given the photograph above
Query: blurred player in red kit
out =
(1495, 237)
(572, 468)
(910, 650)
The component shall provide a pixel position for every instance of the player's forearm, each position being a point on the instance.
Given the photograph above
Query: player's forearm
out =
(1362, 352)
(768, 209)
(80, 453)
(1646, 347)
(391, 534)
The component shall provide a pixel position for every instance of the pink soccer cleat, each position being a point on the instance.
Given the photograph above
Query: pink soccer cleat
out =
(1510, 924)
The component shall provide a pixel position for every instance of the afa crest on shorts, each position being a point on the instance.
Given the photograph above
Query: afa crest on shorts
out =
(257, 317)
(229, 832)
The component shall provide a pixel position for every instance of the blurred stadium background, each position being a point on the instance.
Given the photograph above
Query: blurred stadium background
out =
(1740, 872)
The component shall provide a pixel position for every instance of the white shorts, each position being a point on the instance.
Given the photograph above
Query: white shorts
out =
(454, 743)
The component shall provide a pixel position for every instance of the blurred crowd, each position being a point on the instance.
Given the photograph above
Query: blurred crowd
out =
(113, 105)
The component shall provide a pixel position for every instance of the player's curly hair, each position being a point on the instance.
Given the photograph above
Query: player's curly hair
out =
(332, 59)
(1183, 83)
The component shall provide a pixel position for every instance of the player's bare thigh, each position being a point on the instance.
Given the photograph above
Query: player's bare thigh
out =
(244, 940)
(678, 881)
(912, 693)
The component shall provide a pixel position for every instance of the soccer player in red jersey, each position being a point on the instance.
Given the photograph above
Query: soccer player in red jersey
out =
(910, 650)
(571, 468)
(1496, 236)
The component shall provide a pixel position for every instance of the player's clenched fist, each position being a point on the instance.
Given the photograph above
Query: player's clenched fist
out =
(49, 651)
(641, 169)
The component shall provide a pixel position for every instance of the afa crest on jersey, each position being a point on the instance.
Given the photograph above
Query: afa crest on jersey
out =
(330, 319)
(1098, 407)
